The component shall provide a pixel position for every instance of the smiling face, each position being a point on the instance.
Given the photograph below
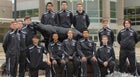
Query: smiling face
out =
(85, 34)
(35, 40)
(79, 7)
(20, 25)
(70, 34)
(127, 24)
(55, 37)
(27, 21)
(14, 25)
(104, 40)
(105, 23)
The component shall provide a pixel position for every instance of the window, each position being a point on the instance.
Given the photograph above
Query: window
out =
(138, 10)
(22, 13)
(35, 12)
(29, 13)
(113, 14)
(113, 10)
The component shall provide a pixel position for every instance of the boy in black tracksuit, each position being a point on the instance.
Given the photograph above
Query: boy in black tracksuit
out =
(87, 49)
(11, 45)
(69, 45)
(22, 56)
(64, 16)
(127, 38)
(29, 29)
(48, 18)
(57, 56)
(35, 58)
(80, 19)
(106, 57)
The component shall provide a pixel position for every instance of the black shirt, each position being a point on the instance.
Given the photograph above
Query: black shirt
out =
(86, 48)
(70, 46)
(56, 50)
(64, 18)
(81, 21)
(49, 18)
(105, 53)
(35, 55)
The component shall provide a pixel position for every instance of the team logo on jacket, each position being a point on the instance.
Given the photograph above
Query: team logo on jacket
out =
(24, 36)
(131, 34)
(90, 44)
(68, 14)
(84, 17)
(108, 33)
(73, 44)
(39, 51)
(53, 16)
(108, 51)
(59, 48)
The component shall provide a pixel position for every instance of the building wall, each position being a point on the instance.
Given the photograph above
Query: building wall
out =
(129, 3)
(5, 9)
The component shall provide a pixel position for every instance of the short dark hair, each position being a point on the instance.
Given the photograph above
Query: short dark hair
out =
(79, 4)
(64, 2)
(54, 33)
(49, 3)
(27, 17)
(128, 21)
(36, 36)
(85, 30)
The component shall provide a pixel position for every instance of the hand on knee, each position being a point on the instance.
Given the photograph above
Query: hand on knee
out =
(94, 59)
(54, 62)
(84, 59)
(63, 61)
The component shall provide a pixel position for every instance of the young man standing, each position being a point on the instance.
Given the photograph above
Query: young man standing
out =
(11, 45)
(29, 29)
(35, 58)
(22, 56)
(80, 20)
(127, 38)
(49, 17)
(106, 31)
(57, 56)
(87, 49)
(64, 16)
(106, 57)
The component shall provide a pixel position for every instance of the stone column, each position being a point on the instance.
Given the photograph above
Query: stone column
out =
(41, 7)
(106, 9)
(55, 5)
(120, 12)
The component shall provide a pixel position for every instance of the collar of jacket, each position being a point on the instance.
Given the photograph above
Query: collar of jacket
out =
(49, 11)
(85, 39)
(33, 46)
(53, 43)
(80, 13)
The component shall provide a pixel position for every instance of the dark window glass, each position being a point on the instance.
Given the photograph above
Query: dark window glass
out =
(22, 13)
(29, 13)
(138, 11)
